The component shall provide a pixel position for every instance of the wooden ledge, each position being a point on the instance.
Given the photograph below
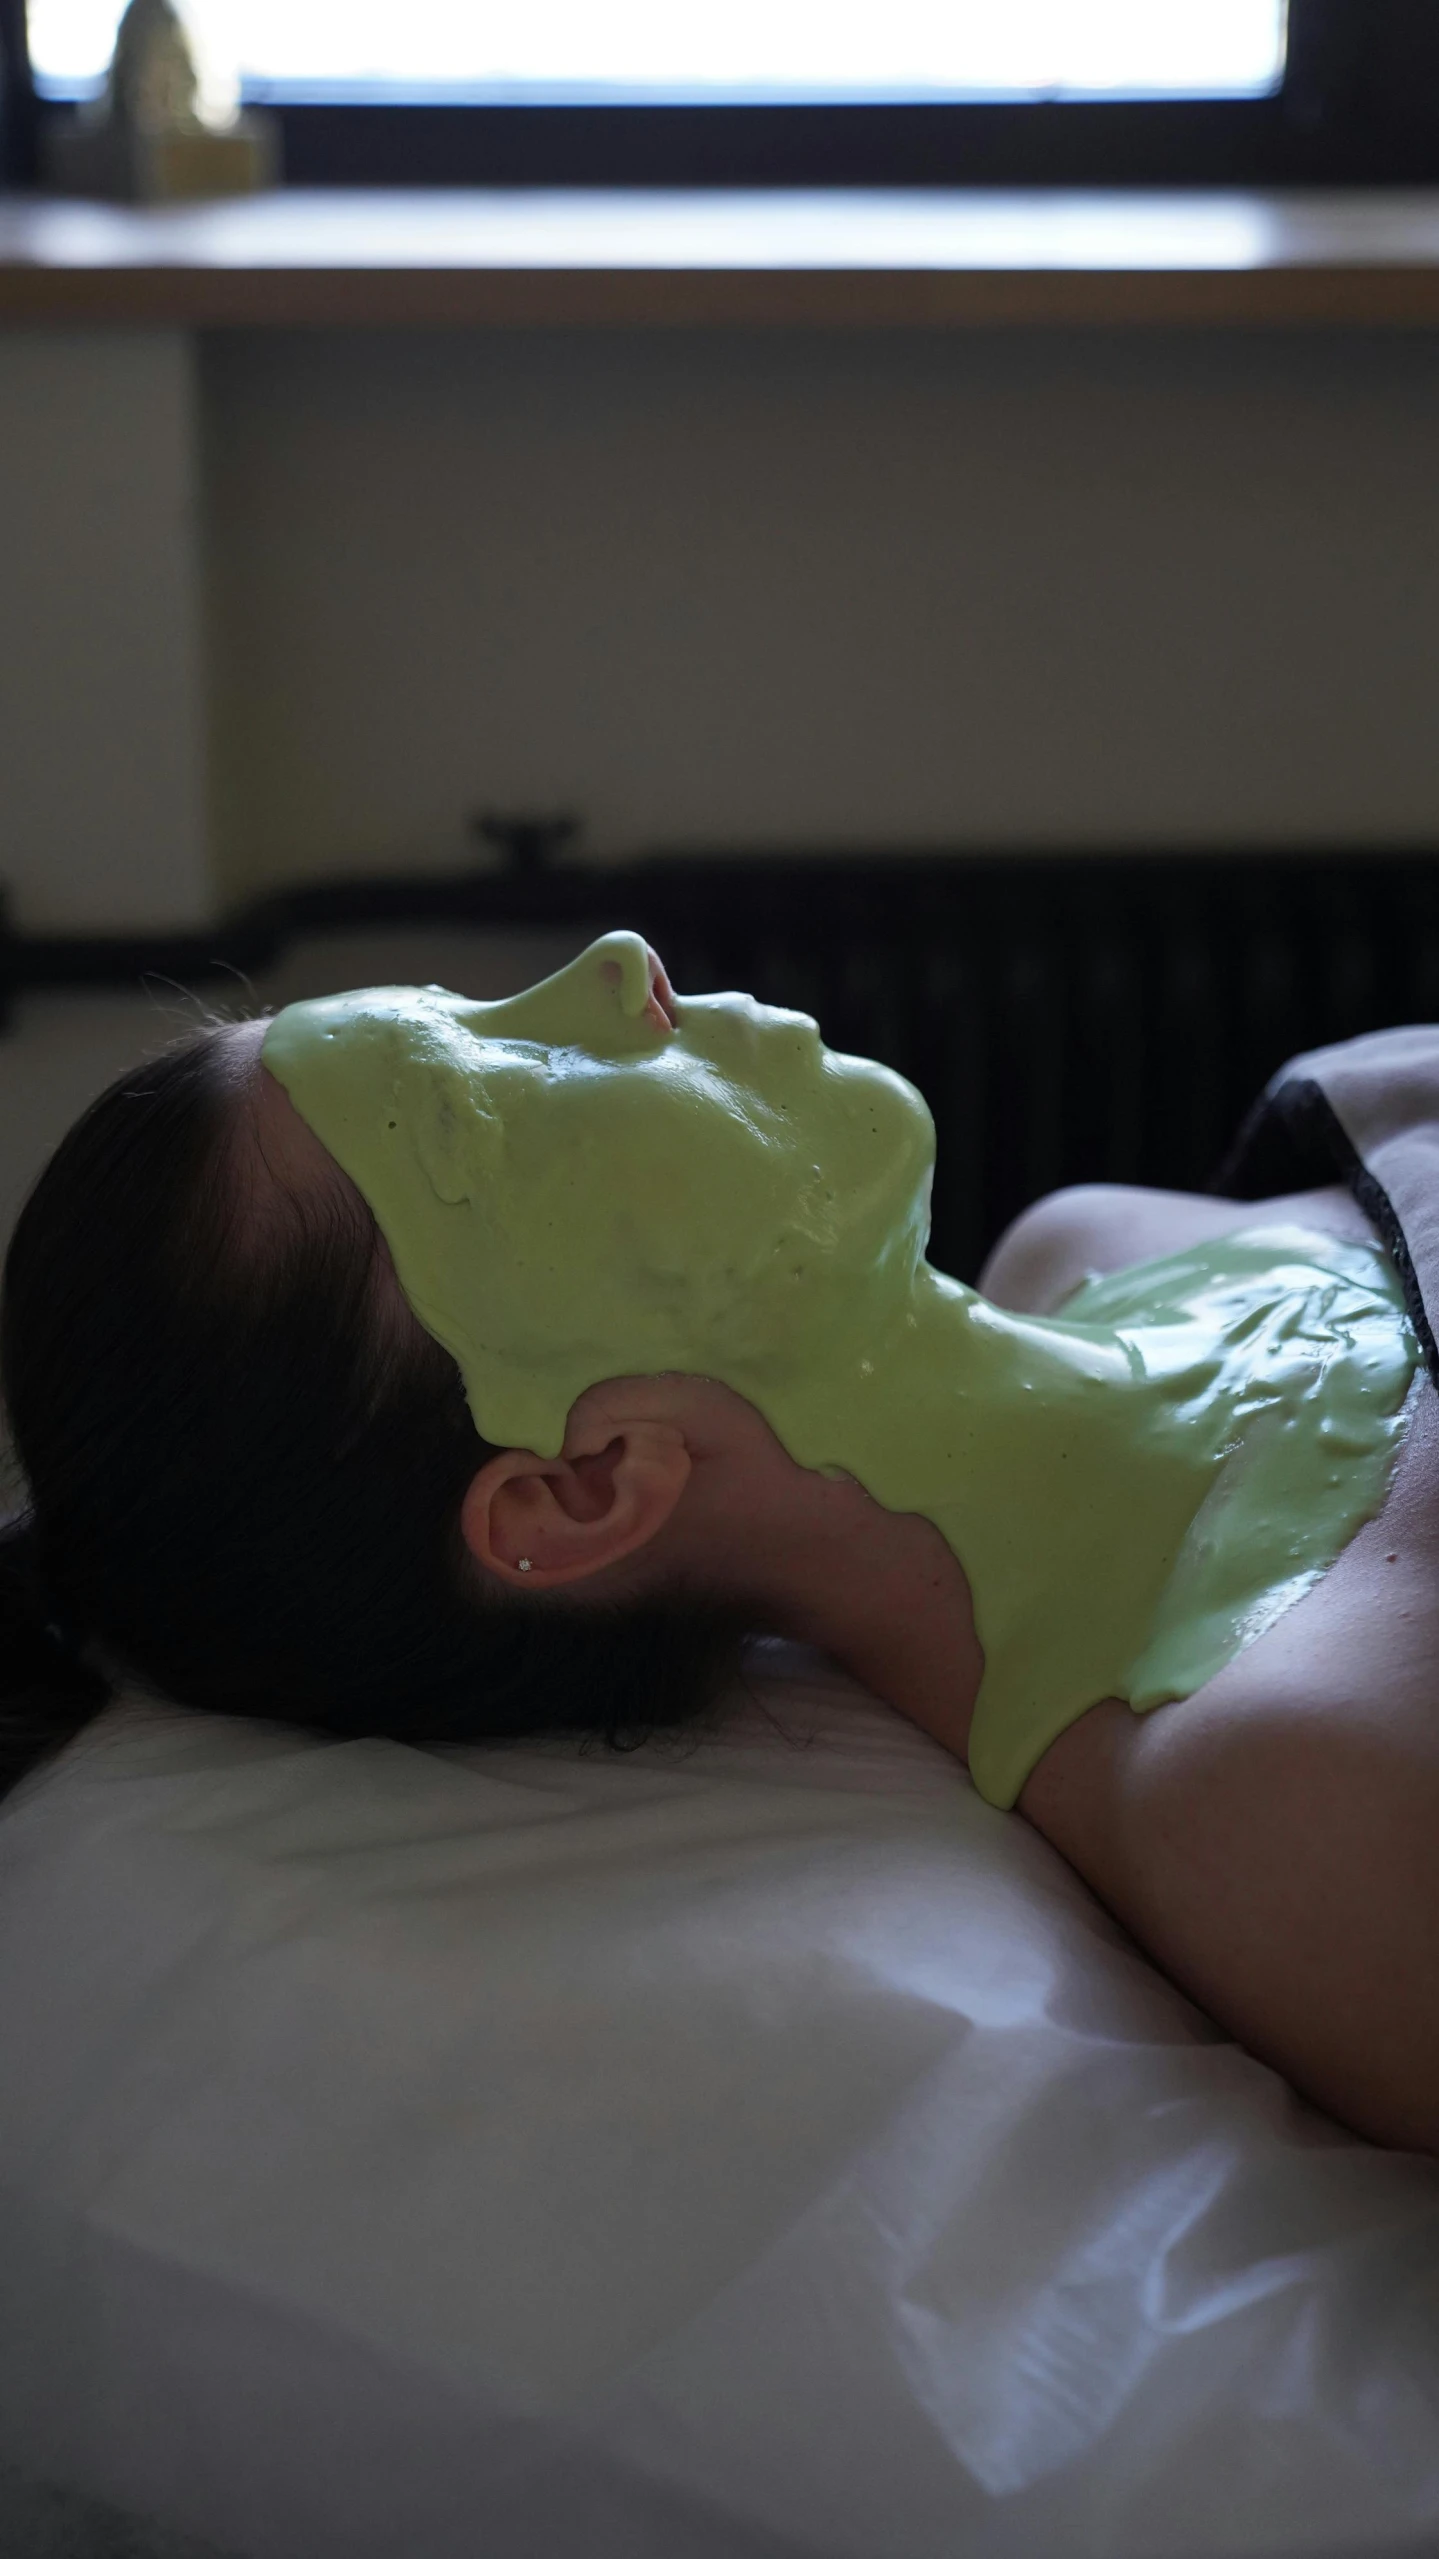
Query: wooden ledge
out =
(924, 259)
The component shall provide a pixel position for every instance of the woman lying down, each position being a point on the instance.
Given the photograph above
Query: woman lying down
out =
(406, 1365)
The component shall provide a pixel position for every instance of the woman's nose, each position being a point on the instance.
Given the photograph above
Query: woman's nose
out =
(661, 1005)
(638, 974)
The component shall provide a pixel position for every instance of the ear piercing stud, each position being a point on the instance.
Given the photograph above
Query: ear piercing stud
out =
(525, 1565)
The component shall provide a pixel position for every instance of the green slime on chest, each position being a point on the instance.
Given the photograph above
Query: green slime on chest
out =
(1136, 1489)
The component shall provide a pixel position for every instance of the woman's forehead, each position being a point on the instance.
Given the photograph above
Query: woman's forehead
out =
(289, 1149)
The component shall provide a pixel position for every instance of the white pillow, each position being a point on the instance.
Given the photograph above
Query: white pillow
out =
(772, 2149)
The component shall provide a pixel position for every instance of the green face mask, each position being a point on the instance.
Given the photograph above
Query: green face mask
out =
(572, 1191)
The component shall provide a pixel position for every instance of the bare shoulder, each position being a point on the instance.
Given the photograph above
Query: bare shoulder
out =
(1093, 1227)
(1272, 1839)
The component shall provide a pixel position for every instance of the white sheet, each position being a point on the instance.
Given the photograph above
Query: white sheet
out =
(769, 2151)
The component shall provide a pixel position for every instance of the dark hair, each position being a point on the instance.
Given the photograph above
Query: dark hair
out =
(246, 1460)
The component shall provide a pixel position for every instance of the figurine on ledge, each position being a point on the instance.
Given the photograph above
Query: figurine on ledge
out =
(168, 124)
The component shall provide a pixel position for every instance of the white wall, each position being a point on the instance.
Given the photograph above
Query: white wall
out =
(102, 682)
(702, 587)
(1058, 589)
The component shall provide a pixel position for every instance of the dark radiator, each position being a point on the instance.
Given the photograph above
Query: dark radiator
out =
(1068, 1019)
(1077, 1020)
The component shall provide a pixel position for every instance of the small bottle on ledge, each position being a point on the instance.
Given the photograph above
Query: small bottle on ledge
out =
(168, 125)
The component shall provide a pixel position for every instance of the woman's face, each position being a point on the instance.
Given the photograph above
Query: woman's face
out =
(598, 1179)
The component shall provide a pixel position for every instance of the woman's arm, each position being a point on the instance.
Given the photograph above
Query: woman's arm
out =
(1105, 1226)
(1273, 1841)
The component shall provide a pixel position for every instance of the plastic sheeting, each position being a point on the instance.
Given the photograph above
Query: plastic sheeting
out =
(766, 2150)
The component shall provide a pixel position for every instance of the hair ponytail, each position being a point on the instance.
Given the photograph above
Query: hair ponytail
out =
(48, 1693)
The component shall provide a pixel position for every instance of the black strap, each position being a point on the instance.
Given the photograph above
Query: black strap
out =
(1294, 1137)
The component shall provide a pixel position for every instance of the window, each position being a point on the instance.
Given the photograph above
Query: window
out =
(808, 92)
(746, 50)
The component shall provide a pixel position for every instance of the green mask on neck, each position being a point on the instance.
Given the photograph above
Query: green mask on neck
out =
(572, 1191)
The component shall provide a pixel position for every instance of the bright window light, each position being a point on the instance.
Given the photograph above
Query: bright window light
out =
(745, 49)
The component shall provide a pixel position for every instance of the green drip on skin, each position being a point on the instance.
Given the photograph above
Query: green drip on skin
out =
(571, 1191)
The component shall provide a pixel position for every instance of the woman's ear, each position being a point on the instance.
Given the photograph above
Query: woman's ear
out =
(540, 1522)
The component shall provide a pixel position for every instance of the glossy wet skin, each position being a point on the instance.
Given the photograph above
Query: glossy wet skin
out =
(594, 1180)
